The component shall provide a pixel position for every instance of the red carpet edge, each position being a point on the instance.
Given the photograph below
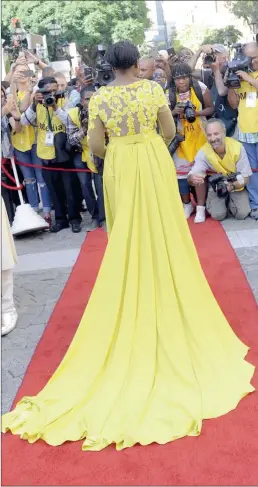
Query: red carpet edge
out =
(225, 452)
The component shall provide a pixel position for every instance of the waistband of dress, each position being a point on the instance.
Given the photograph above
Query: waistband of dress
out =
(134, 139)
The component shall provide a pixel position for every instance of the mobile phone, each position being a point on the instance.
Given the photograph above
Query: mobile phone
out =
(171, 51)
(28, 74)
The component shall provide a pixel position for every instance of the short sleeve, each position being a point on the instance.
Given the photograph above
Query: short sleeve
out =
(93, 110)
(243, 164)
(159, 97)
(203, 87)
(200, 165)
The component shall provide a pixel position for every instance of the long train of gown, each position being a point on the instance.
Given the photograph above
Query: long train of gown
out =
(153, 355)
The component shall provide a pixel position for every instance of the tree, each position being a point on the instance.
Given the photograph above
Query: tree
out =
(173, 39)
(227, 36)
(87, 23)
(192, 36)
(247, 10)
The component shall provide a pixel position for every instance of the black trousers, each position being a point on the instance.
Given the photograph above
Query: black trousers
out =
(95, 206)
(62, 188)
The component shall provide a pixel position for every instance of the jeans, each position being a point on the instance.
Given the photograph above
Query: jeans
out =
(94, 206)
(32, 177)
(62, 189)
(252, 187)
(183, 186)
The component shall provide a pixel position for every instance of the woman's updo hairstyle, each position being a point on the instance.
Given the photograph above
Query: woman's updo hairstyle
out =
(123, 55)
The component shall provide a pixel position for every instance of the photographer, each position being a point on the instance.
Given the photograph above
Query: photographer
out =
(47, 112)
(213, 74)
(24, 142)
(77, 127)
(225, 156)
(10, 120)
(71, 94)
(245, 99)
(190, 103)
(147, 67)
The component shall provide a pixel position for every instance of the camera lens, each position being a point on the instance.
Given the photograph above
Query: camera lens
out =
(189, 115)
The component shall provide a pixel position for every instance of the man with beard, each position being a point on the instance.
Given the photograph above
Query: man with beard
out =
(225, 156)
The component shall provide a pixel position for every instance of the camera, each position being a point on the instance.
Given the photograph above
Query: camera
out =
(173, 146)
(239, 62)
(210, 58)
(219, 182)
(189, 111)
(104, 70)
(49, 98)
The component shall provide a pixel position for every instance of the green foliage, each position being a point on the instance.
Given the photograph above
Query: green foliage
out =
(247, 10)
(87, 23)
(192, 36)
(226, 36)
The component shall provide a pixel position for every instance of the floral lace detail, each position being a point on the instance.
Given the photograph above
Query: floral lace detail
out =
(127, 110)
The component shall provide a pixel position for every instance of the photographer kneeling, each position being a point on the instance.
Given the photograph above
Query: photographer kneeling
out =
(77, 128)
(47, 111)
(227, 157)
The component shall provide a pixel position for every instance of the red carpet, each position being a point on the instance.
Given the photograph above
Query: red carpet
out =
(226, 452)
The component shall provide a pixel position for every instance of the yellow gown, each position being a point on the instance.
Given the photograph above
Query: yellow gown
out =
(153, 355)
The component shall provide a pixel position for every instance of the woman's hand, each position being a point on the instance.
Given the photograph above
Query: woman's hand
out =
(178, 110)
(10, 104)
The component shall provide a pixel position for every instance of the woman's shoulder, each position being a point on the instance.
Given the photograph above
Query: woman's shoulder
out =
(202, 86)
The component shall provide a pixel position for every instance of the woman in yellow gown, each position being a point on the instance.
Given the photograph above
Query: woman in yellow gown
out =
(153, 355)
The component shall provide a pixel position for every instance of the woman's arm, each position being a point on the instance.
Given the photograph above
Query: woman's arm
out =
(166, 124)
(96, 137)
(208, 109)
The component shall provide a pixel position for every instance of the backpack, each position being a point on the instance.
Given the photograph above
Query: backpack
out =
(197, 89)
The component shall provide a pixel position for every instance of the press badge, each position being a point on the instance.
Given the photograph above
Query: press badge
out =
(49, 141)
(251, 99)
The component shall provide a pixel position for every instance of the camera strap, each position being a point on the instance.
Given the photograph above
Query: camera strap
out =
(49, 121)
(49, 141)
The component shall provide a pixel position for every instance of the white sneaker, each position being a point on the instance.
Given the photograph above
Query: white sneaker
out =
(200, 216)
(9, 321)
(188, 209)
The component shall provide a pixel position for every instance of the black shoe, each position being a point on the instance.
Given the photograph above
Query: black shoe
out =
(58, 226)
(76, 227)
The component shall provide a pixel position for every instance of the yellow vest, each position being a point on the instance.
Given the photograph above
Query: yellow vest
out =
(86, 157)
(193, 132)
(247, 117)
(24, 140)
(227, 165)
(43, 151)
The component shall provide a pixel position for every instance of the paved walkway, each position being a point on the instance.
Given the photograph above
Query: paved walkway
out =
(45, 263)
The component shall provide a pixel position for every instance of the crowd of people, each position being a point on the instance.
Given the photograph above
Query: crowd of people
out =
(45, 122)
(223, 138)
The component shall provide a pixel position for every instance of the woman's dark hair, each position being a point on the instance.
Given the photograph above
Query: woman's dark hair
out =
(46, 81)
(123, 55)
(181, 69)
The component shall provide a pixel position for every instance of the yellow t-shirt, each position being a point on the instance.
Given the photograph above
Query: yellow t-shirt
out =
(43, 151)
(24, 140)
(248, 106)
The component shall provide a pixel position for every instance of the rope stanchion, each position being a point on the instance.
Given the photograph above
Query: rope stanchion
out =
(37, 166)
(16, 188)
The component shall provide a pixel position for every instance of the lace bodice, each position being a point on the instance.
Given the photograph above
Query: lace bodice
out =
(128, 110)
